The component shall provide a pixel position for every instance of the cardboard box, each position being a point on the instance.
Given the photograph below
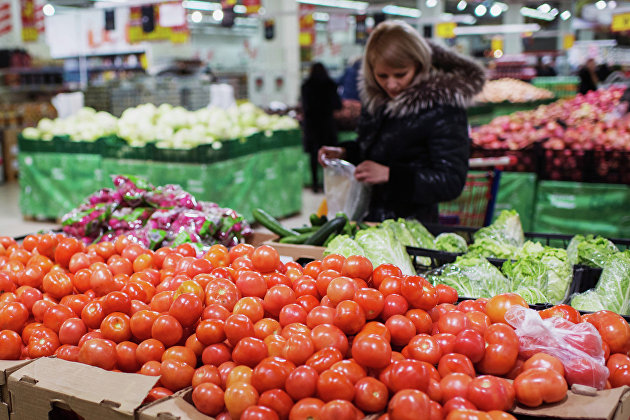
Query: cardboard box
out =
(610, 404)
(178, 406)
(7, 367)
(10, 153)
(286, 250)
(48, 385)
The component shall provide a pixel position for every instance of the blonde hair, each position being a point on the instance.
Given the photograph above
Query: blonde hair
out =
(398, 44)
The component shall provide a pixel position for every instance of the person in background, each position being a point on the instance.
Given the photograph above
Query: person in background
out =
(319, 100)
(349, 80)
(544, 68)
(412, 143)
(588, 77)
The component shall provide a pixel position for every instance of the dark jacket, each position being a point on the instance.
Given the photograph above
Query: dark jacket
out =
(421, 135)
(586, 81)
(319, 100)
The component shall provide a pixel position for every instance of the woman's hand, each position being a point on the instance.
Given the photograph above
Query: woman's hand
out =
(371, 172)
(330, 152)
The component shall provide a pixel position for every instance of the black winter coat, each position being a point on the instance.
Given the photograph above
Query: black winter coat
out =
(421, 135)
(319, 100)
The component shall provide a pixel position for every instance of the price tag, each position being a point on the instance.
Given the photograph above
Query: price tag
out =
(620, 22)
(445, 30)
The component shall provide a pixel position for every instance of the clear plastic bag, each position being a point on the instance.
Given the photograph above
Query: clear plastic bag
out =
(578, 346)
(343, 192)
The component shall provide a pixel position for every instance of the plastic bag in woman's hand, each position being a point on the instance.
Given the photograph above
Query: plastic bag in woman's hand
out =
(343, 192)
(578, 346)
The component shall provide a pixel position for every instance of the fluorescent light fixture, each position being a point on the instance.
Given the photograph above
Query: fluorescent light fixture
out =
(601, 5)
(495, 10)
(612, 4)
(431, 3)
(544, 8)
(496, 29)
(498, 54)
(48, 10)
(390, 9)
(536, 14)
(200, 5)
(566, 15)
(461, 6)
(343, 4)
(239, 8)
(369, 22)
(196, 16)
(217, 15)
(321, 17)
(481, 10)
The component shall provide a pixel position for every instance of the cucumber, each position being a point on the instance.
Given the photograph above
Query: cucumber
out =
(272, 223)
(306, 229)
(330, 238)
(318, 220)
(332, 226)
(296, 239)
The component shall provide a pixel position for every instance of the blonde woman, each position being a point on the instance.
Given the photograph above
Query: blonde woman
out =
(412, 144)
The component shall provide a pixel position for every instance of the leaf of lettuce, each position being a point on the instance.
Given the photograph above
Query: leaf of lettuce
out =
(473, 277)
(559, 273)
(344, 245)
(594, 251)
(613, 286)
(526, 272)
(507, 229)
(587, 301)
(532, 295)
(399, 228)
(381, 247)
(450, 242)
(423, 237)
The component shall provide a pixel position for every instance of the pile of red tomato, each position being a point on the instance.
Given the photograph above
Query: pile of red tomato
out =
(259, 339)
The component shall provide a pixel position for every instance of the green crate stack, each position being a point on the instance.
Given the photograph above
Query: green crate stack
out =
(561, 86)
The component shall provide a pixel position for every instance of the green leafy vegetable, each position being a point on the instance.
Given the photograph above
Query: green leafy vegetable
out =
(559, 273)
(381, 247)
(532, 295)
(344, 245)
(423, 237)
(613, 286)
(471, 277)
(399, 228)
(526, 272)
(450, 242)
(590, 250)
(588, 301)
(492, 248)
(507, 229)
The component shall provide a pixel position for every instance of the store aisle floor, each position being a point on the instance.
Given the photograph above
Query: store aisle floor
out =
(13, 224)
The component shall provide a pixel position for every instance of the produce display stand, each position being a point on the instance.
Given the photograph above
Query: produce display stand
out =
(243, 174)
(483, 113)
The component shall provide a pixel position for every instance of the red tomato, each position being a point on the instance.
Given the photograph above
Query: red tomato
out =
(223, 292)
(446, 294)
(10, 345)
(370, 395)
(454, 385)
(455, 363)
(13, 316)
(470, 343)
(409, 374)
(419, 293)
(278, 297)
(249, 351)
(265, 258)
(237, 327)
(349, 317)
(176, 375)
(545, 361)
(446, 342)
(421, 319)
(614, 330)
(167, 329)
(333, 385)
(402, 329)
(538, 385)
(216, 354)
(562, 311)
(499, 305)
(157, 393)
(258, 412)
(306, 408)
(302, 382)
(425, 349)
(383, 271)
(99, 352)
(501, 350)
(453, 322)
(371, 351)
(208, 398)
(324, 359)
(65, 249)
(491, 393)
(141, 323)
(298, 348)
(320, 315)
(251, 283)
(71, 331)
(68, 352)
(116, 327)
(277, 400)
(409, 404)
(126, 357)
(478, 321)
(327, 335)
(394, 304)
(239, 397)
(57, 284)
(149, 350)
(271, 373)
(186, 309)
(356, 266)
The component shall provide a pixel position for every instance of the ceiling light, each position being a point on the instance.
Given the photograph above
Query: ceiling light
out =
(536, 14)
(565, 15)
(498, 54)
(369, 22)
(544, 8)
(601, 4)
(462, 5)
(612, 4)
(48, 10)
(196, 16)
(217, 15)
(481, 10)
(496, 29)
(200, 5)
(495, 10)
(401, 11)
(344, 4)
(431, 3)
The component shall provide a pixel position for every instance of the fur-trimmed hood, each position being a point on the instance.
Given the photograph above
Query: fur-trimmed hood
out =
(453, 80)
